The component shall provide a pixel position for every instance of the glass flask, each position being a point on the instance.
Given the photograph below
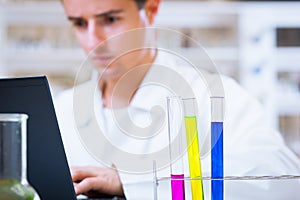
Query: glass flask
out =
(13, 158)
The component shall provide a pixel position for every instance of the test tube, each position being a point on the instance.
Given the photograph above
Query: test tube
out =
(217, 168)
(155, 183)
(190, 118)
(176, 147)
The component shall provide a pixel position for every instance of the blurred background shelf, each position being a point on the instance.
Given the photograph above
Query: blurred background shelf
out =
(288, 103)
(288, 58)
(60, 57)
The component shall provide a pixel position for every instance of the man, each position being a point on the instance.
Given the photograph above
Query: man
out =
(119, 100)
(94, 22)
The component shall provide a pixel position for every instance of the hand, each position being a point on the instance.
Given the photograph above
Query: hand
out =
(96, 181)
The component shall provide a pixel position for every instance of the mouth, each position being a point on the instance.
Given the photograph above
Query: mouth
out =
(102, 58)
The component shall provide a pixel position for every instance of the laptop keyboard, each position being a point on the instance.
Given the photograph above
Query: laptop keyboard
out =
(114, 198)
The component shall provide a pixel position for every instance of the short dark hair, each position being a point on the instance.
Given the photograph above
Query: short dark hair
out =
(140, 3)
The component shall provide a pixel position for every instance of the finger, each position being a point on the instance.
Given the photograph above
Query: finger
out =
(80, 173)
(75, 184)
(87, 185)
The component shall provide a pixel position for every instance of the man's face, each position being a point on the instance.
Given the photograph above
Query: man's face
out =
(95, 21)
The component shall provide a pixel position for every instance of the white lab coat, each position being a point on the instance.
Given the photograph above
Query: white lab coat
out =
(131, 138)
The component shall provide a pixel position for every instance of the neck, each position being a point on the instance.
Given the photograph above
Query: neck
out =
(118, 92)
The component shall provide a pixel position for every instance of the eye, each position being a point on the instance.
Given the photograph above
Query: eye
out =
(79, 23)
(110, 19)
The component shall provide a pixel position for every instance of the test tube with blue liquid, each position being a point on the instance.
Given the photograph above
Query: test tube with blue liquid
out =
(217, 161)
(176, 147)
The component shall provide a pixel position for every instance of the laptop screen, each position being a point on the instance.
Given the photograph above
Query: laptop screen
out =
(47, 167)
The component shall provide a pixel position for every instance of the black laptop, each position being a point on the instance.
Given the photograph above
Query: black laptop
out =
(47, 168)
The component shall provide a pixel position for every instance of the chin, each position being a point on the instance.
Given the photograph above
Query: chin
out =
(108, 74)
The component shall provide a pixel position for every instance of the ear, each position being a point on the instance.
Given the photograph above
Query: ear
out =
(151, 9)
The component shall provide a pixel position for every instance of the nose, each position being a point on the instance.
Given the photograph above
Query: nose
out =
(95, 36)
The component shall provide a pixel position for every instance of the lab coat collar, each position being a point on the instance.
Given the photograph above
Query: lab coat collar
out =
(156, 85)
(84, 102)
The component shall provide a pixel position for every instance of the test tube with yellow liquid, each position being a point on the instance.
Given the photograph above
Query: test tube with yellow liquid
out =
(190, 119)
